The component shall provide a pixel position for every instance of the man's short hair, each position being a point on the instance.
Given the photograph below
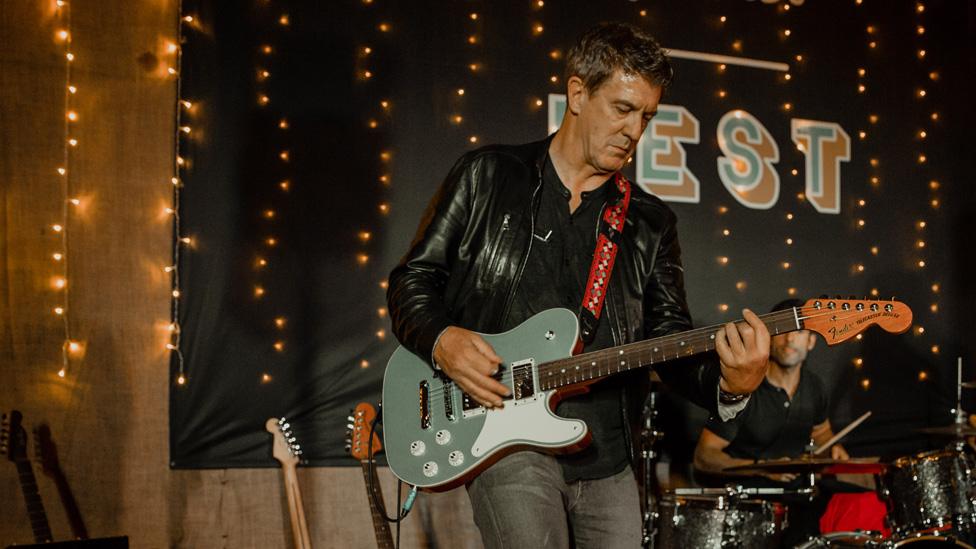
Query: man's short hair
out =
(618, 46)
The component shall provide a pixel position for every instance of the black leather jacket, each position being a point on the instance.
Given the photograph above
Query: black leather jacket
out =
(467, 258)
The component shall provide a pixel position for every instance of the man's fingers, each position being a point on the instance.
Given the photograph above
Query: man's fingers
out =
(735, 341)
(759, 327)
(485, 349)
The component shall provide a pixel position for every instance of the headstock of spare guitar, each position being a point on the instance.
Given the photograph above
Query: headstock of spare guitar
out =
(358, 433)
(285, 447)
(838, 320)
(13, 437)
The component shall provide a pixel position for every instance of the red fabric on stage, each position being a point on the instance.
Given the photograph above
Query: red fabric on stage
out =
(849, 512)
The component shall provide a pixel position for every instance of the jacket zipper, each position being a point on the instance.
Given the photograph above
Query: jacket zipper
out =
(518, 275)
(501, 236)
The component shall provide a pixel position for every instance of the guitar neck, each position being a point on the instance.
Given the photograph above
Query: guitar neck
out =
(35, 507)
(296, 508)
(606, 362)
(384, 539)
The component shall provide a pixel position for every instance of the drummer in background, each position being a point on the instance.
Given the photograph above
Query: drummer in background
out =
(787, 410)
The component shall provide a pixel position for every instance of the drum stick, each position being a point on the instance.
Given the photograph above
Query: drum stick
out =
(843, 432)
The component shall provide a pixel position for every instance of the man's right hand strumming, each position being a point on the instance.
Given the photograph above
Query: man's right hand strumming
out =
(470, 361)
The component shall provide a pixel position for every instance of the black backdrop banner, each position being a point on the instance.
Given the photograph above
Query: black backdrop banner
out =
(321, 129)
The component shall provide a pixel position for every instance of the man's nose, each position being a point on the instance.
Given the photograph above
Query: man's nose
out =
(634, 128)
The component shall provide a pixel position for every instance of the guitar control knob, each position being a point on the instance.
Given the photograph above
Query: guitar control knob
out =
(418, 448)
(430, 469)
(442, 437)
(456, 458)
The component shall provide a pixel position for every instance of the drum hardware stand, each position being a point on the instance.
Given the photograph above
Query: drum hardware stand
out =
(649, 436)
(811, 478)
(960, 417)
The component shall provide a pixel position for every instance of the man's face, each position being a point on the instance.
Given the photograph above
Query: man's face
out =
(613, 117)
(790, 349)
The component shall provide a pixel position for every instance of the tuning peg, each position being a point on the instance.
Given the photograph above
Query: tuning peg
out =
(350, 418)
(350, 426)
(348, 447)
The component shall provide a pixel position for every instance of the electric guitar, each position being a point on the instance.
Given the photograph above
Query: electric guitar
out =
(438, 437)
(286, 450)
(359, 448)
(13, 444)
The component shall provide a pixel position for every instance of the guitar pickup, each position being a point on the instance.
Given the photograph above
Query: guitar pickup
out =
(424, 405)
(523, 382)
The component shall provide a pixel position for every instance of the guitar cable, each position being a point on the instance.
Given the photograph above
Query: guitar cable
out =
(411, 496)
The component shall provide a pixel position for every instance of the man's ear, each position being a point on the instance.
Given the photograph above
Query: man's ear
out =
(813, 341)
(576, 94)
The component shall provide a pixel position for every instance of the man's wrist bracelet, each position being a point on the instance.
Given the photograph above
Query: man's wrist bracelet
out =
(726, 397)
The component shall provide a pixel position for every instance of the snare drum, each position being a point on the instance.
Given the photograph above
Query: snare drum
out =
(930, 490)
(716, 522)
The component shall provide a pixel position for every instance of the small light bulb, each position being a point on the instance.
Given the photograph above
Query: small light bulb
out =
(61, 372)
(59, 310)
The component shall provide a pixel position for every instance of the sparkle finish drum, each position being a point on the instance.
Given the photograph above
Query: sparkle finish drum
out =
(930, 490)
(718, 522)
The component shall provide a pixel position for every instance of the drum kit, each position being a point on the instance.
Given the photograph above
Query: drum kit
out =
(930, 499)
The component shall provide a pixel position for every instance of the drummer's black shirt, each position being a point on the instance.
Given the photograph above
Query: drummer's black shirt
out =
(773, 425)
(555, 276)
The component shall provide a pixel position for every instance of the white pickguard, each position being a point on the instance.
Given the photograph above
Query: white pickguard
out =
(527, 421)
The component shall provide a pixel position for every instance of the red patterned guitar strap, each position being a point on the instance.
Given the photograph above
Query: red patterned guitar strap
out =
(611, 227)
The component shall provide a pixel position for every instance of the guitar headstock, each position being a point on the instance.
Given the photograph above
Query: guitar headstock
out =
(838, 320)
(13, 438)
(285, 447)
(360, 421)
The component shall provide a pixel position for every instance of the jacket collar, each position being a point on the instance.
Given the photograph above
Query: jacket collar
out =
(613, 193)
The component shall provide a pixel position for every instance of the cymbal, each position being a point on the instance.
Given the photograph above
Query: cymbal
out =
(958, 430)
(810, 465)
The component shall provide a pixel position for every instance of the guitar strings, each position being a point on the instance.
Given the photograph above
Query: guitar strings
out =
(691, 338)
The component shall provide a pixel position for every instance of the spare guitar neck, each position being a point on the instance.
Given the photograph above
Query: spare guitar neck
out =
(286, 450)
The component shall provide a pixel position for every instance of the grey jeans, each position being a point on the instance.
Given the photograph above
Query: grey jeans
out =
(523, 502)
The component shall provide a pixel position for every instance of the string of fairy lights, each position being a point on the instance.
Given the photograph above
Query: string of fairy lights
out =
(70, 348)
(928, 76)
(381, 115)
(283, 182)
(183, 109)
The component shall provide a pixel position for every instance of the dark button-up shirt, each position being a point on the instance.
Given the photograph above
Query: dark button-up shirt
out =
(775, 425)
(555, 276)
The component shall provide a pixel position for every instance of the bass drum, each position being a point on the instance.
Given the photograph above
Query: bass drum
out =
(718, 522)
(932, 542)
